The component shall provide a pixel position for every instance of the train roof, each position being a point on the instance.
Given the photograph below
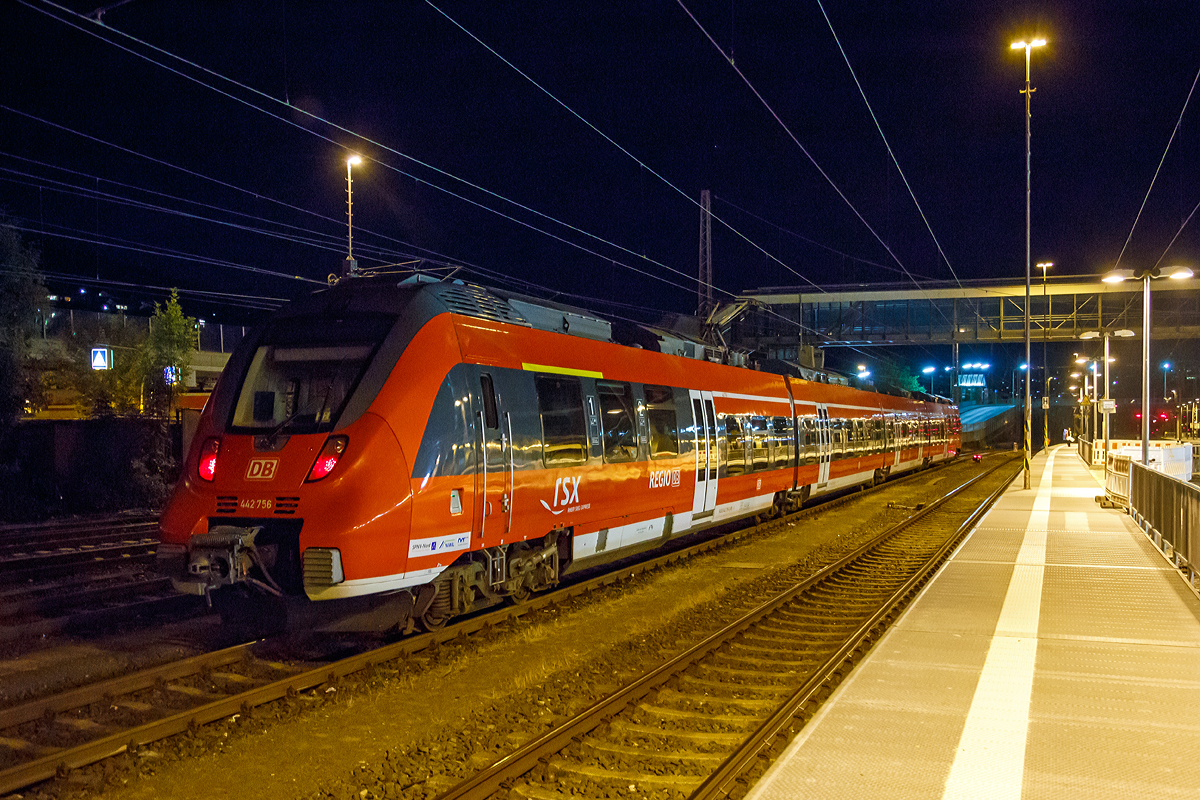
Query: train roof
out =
(421, 299)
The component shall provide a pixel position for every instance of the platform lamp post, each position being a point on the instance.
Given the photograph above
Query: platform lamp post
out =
(1106, 410)
(1028, 92)
(351, 267)
(1043, 266)
(929, 371)
(1145, 276)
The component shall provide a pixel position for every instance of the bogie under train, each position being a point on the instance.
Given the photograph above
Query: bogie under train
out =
(405, 453)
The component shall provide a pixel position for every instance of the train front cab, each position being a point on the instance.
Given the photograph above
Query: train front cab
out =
(296, 485)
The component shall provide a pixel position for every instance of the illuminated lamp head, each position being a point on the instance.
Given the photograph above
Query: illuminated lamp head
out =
(207, 468)
(328, 459)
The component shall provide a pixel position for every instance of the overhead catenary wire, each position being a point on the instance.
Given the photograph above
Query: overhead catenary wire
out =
(802, 238)
(102, 32)
(775, 115)
(862, 93)
(78, 22)
(1158, 169)
(611, 141)
(105, 32)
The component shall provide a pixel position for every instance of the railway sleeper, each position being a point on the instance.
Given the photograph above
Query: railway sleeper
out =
(692, 720)
(708, 705)
(560, 768)
(730, 692)
(761, 666)
(704, 741)
(779, 653)
(607, 752)
(745, 677)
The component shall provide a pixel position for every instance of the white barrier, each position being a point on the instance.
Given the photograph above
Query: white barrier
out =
(1170, 458)
(1116, 481)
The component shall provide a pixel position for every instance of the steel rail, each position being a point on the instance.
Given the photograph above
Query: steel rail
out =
(45, 767)
(12, 535)
(525, 758)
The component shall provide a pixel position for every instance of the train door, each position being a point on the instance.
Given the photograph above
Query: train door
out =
(705, 427)
(824, 445)
(896, 438)
(494, 483)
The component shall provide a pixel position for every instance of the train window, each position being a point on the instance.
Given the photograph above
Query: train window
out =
(564, 432)
(490, 418)
(810, 441)
(760, 452)
(301, 376)
(701, 440)
(616, 421)
(735, 461)
(660, 416)
(298, 388)
(783, 441)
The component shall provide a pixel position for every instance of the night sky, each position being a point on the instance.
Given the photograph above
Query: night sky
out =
(202, 145)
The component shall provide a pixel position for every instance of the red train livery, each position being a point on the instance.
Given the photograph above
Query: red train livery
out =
(404, 453)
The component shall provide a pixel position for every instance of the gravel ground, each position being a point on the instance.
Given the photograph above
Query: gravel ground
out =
(413, 727)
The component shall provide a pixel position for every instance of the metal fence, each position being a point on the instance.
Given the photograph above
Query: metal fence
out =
(1168, 510)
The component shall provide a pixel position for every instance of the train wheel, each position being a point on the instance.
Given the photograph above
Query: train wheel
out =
(520, 596)
(438, 613)
(433, 622)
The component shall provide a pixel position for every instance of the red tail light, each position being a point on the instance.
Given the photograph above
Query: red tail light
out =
(330, 453)
(208, 458)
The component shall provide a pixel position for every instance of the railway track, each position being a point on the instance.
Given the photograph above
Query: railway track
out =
(51, 735)
(80, 574)
(51, 550)
(697, 725)
(69, 532)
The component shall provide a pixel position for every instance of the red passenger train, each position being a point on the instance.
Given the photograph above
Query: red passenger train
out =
(400, 453)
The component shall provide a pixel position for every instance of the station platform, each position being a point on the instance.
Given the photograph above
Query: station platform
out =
(1056, 655)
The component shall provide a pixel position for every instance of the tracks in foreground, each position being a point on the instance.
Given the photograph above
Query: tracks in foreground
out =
(701, 722)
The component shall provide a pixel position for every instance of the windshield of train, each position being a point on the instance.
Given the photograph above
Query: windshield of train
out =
(304, 371)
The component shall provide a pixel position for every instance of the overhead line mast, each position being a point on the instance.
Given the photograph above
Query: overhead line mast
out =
(704, 291)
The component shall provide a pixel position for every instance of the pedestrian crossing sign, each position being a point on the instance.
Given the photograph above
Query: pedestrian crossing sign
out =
(101, 358)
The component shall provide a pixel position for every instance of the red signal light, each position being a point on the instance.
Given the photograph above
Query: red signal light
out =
(208, 458)
(328, 459)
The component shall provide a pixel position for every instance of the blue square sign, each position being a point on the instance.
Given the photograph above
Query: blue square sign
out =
(101, 358)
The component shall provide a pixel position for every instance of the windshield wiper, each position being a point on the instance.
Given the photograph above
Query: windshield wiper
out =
(275, 431)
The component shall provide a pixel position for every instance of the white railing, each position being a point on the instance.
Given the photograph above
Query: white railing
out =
(1116, 481)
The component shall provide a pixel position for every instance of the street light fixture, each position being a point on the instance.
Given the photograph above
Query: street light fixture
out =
(1028, 92)
(351, 264)
(929, 371)
(1022, 368)
(1118, 276)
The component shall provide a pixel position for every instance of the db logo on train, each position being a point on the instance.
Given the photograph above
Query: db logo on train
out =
(261, 469)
